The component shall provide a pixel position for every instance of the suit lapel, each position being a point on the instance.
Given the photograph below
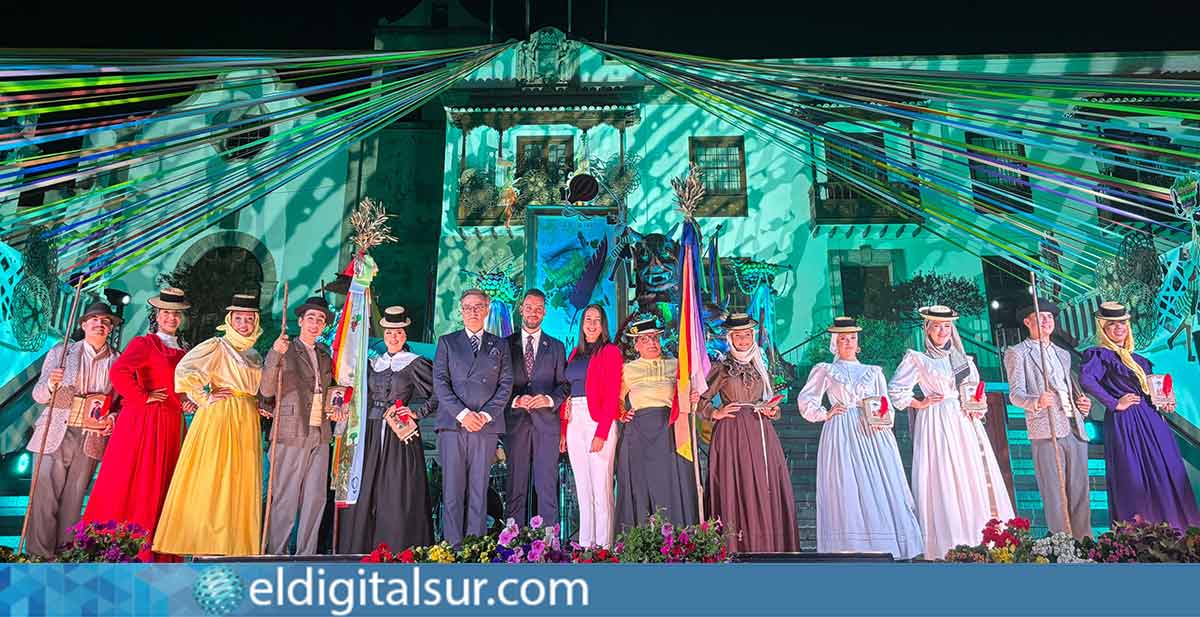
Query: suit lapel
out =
(302, 362)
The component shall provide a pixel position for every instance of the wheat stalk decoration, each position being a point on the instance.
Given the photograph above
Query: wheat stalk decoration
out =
(689, 190)
(370, 225)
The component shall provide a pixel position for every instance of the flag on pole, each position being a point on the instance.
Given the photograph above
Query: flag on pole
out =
(350, 343)
(693, 354)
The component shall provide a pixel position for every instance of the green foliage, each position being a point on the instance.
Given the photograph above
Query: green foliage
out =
(883, 344)
(929, 288)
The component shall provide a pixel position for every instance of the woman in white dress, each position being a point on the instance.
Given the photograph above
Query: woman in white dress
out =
(863, 501)
(955, 479)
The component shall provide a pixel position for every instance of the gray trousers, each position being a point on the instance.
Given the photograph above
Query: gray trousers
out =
(532, 451)
(466, 460)
(298, 489)
(63, 480)
(1072, 452)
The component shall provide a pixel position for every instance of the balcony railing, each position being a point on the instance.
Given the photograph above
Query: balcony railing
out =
(843, 203)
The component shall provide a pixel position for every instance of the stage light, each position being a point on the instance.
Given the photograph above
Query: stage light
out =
(995, 305)
(23, 464)
(116, 297)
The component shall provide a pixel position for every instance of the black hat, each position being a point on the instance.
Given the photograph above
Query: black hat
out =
(315, 303)
(1113, 311)
(739, 321)
(170, 298)
(938, 312)
(243, 302)
(1044, 306)
(100, 309)
(843, 324)
(644, 324)
(394, 317)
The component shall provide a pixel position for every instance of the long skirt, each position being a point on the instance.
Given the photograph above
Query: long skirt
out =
(863, 501)
(650, 475)
(749, 486)
(393, 505)
(137, 467)
(214, 505)
(1146, 475)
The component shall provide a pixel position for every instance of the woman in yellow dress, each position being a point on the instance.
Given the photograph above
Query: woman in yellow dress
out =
(214, 504)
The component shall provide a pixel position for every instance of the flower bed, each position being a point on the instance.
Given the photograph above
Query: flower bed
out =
(1135, 541)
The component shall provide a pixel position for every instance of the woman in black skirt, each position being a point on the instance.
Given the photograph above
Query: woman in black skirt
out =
(393, 504)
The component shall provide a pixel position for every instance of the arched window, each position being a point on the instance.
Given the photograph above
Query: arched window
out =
(212, 281)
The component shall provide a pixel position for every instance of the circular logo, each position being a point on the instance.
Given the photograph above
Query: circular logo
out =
(218, 590)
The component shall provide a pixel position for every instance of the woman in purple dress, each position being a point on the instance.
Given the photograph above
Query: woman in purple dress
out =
(1145, 469)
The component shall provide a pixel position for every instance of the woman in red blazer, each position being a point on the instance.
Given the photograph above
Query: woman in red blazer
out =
(141, 454)
(588, 421)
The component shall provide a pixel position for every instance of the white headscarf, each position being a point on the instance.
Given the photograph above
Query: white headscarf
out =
(833, 344)
(753, 357)
(952, 350)
(396, 362)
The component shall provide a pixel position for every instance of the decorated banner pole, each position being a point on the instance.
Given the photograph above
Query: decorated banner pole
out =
(1062, 485)
(274, 427)
(37, 464)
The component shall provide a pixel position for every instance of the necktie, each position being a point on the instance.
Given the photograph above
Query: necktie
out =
(529, 356)
(475, 344)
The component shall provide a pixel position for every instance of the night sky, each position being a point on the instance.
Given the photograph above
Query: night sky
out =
(743, 29)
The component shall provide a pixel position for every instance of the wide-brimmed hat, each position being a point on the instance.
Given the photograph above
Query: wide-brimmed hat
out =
(100, 309)
(315, 303)
(739, 321)
(1113, 311)
(645, 324)
(938, 312)
(1044, 306)
(170, 298)
(243, 302)
(394, 317)
(843, 325)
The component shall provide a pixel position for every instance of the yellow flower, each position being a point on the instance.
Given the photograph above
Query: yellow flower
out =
(1001, 555)
(1040, 559)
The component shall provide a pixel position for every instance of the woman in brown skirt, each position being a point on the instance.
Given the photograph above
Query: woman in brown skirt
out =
(749, 486)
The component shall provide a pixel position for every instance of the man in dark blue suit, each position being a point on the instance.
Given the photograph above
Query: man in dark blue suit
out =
(540, 386)
(472, 380)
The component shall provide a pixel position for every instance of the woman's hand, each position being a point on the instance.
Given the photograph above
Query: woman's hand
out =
(929, 400)
(694, 397)
(771, 412)
(219, 394)
(837, 410)
(728, 411)
(562, 444)
(156, 396)
(1125, 402)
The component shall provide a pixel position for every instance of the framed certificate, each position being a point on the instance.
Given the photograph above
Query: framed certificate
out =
(337, 399)
(404, 427)
(971, 397)
(1162, 390)
(877, 412)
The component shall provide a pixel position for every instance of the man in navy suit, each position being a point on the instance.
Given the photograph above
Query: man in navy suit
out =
(540, 386)
(472, 381)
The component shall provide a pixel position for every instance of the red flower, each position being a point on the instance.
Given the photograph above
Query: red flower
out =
(1019, 523)
(407, 556)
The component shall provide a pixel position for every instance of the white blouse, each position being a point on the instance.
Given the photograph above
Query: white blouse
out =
(845, 383)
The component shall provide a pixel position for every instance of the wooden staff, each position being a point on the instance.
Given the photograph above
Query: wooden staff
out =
(1062, 485)
(37, 465)
(274, 425)
(696, 460)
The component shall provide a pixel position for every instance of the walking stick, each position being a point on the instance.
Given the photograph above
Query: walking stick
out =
(274, 427)
(696, 462)
(37, 465)
(1062, 485)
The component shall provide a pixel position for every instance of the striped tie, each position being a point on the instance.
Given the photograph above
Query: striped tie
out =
(475, 344)
(529, 356)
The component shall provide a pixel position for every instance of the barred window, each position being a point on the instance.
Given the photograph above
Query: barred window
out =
(722, 160)
(993, 184)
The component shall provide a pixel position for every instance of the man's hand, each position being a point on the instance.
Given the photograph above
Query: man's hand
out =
(472, 421)
(55, 378)
(1083, 404)
(156, 396)
(1046, 400)
(281, 344)
(540, 401)
(109, 424)
(521, 402)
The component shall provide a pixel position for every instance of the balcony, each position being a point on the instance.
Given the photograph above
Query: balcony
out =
(843, 203)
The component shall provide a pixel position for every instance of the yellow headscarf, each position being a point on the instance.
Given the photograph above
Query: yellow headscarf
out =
(239, 342)
(1124, 352)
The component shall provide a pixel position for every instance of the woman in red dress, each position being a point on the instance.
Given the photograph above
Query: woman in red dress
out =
(141, 454)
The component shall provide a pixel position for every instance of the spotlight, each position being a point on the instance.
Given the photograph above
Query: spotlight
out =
(995, 305)
(116, 297)
(23, 464)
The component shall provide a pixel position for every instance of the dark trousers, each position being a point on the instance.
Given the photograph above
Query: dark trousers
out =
(466, 460)
(532, 451)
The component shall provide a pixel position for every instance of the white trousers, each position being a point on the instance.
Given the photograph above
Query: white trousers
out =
(593, 475)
